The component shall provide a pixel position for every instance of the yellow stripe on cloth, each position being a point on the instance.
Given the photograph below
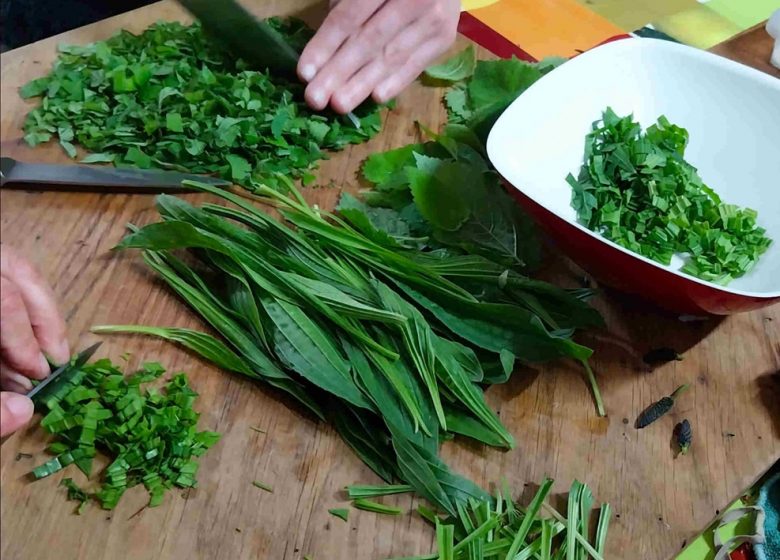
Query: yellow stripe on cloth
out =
(547, 27)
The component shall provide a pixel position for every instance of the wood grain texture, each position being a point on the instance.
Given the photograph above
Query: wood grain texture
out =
(660, 500)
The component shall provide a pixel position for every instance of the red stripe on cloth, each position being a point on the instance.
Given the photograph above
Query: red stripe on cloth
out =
(486, 37)
(610, 40)
(613, 39)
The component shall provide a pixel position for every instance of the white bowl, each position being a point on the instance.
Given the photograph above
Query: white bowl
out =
(731, 111)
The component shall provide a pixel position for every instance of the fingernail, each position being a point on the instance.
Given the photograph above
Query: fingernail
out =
(318, 98)
(308, 72)
(63, 353)
(22, 381)
(44, 365)
(381, 93)
(18, 405)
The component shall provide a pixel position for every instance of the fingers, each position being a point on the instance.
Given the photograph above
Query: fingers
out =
(342, 21)
(19, 347)
(38, 299)
(364, 45)
(14, 381)
(370, 47)
(15, 412)
(395, 55)
(404, 75)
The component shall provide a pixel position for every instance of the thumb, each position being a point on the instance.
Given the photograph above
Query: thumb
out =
(15, 411)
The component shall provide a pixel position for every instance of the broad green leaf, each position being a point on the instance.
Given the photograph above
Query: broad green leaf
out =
(459, 67)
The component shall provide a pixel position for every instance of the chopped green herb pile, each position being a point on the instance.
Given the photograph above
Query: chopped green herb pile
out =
(149, 436)
(498, 528)
(659, 408)
(171, 98)
(636, 189)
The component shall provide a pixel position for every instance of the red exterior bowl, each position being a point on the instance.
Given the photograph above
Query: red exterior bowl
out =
(625, 272)
(732, 114)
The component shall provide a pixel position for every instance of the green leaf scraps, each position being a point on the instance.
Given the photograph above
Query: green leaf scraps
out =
(150, 436)
(171, 98)
(636, 189)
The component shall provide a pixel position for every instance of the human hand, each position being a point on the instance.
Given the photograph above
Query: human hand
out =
(30, 326)
(374, 48)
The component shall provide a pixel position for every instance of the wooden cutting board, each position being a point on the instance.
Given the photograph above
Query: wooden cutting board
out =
(660, 501)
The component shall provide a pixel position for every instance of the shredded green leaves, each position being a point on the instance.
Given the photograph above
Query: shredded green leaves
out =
(150, 436)
(171, 98)
(636, 189)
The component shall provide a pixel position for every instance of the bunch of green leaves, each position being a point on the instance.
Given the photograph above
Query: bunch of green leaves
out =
(482, 89)
(636, 189)
(442, 194)
(171, 98)
(149, 436)
(497, 528)
(393, 348)
(443, 198)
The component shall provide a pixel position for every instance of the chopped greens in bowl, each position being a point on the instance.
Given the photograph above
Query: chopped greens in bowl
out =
(636, 189)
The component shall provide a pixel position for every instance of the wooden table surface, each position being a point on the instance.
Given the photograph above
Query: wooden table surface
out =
(660, 500)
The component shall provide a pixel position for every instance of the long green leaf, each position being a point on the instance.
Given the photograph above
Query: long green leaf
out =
(201, 343)
(573, 519)
(530, 517)
(356, 491)
(445, 537)
(306, 348)
(601, 530)
(419, 343)
(452, 374)
(391, 388)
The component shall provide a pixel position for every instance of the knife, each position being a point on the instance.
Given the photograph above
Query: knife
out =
(72, 366)
(69, 177)
(247, 37)
(244, 35)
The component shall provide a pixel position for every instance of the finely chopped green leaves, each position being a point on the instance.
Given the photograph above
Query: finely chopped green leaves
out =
(171, 98)
(636, 189)
(150, 436)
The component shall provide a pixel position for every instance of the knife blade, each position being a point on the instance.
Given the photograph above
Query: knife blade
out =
(244, 35)
(76, 177)
(247, 37)
(74, 364)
